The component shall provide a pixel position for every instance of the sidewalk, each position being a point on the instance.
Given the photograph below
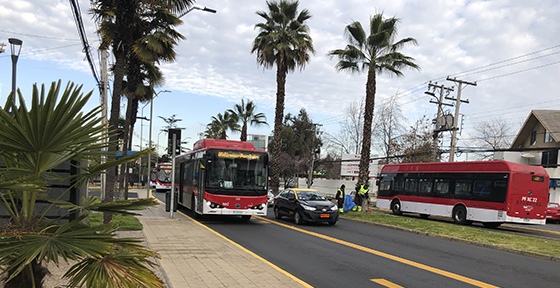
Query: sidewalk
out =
(192, 255)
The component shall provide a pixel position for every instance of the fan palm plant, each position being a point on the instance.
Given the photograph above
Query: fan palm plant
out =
(284, 41)
(35, 142)
(373, 54)
(245, 113)
(221, 123)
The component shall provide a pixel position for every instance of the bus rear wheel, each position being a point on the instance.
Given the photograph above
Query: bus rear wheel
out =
(460, 215)
(492, 225)
(396, 207)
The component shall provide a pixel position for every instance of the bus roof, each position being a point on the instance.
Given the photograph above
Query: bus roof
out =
(470, 166)
(223, 144)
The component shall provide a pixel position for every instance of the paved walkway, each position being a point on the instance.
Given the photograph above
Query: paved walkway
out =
(193, 255)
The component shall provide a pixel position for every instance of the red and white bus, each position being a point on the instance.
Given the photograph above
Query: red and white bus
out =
(491, 192)
(223, 177)
(160, 177)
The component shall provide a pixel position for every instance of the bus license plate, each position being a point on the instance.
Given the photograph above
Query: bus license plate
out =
(325, 215)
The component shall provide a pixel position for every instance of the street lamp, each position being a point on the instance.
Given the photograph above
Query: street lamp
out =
(140, 163)
(150, 138)
(157, 149)
(15, 46)
(197, 7)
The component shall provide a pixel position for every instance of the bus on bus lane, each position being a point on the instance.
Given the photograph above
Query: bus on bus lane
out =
(490, 192)
(223, 177)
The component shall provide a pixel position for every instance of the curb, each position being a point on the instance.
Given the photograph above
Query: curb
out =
(459, 240)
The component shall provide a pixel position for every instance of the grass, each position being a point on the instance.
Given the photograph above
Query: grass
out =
(501, 240)
(126, 223)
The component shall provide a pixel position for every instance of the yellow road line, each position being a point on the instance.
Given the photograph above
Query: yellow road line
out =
(386, 283)
(301, 282)
(389, 256)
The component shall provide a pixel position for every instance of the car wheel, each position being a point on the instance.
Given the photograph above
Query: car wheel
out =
(246, 217)
(396, 207)
(332, 223)
(298, 219)
(460, 215)
(277, 213)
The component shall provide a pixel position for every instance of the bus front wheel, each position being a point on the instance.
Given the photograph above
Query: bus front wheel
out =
(460, 215)
(396, 207)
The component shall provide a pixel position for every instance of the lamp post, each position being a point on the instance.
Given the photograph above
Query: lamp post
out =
(198, 7)
(141, 128)
(15, 46)
(150, 138)
(157, 150)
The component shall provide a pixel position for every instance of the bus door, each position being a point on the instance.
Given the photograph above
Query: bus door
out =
(200, 186)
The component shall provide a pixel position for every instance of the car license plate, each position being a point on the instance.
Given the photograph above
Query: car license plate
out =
(325, 215)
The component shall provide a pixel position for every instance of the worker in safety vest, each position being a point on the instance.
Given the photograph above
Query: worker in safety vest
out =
(340, 198)
(362, 197)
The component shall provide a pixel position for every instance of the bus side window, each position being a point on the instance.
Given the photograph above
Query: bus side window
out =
(463, 187)
(399, 184)
(441, 186)
(482, 189)
(410, 185)
(425, 186)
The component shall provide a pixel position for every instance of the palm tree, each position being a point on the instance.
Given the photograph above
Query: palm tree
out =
(116, 20)
(33, 143)
(246, 115)
(283, 40)
(373, 53)
(221, 123)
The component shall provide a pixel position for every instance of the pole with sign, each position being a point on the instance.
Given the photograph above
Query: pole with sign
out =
(174, 147)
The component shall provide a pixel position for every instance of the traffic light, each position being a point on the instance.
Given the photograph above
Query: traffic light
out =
(177, 133)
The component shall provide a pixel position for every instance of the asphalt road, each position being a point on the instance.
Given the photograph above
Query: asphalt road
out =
(354, 254)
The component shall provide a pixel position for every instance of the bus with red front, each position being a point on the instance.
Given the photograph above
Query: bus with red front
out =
(491, 192)
(160, 177)
(223, 177)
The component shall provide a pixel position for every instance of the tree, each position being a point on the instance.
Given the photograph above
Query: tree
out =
(389, 127)
(33, 143)
(416, 145)
(375, 53)
(284, 41)
(495, 134)
(349, 139)
(117, 19)
(245, 113)
(221, 123)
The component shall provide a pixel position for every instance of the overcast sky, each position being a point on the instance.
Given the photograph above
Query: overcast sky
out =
(509, 48)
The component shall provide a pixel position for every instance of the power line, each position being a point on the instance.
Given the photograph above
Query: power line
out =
(87, 49)
(39, 36)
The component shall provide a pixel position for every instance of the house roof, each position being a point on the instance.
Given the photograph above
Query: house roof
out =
(549, 119)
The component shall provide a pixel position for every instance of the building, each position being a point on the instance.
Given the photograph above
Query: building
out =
(261, 142)
(537, 143)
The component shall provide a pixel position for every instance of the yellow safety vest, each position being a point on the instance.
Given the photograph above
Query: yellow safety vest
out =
(363, 191)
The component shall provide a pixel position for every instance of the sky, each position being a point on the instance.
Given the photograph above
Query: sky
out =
(508, 48)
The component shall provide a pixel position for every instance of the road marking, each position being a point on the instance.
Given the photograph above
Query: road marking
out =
(386, 283)
(245, 249)
(389, 256)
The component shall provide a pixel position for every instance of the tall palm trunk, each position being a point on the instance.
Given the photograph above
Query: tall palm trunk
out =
(363, 176)
(125, 14)
(244, 132)
(278, 118)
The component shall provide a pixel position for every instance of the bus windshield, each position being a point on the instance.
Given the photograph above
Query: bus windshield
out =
(164, 173)
(240, 170)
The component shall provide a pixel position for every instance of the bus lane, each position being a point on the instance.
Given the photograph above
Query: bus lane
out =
(351, 253)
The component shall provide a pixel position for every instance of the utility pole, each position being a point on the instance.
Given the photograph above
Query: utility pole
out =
(457, 104)
(103, 88)
(442, 89)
